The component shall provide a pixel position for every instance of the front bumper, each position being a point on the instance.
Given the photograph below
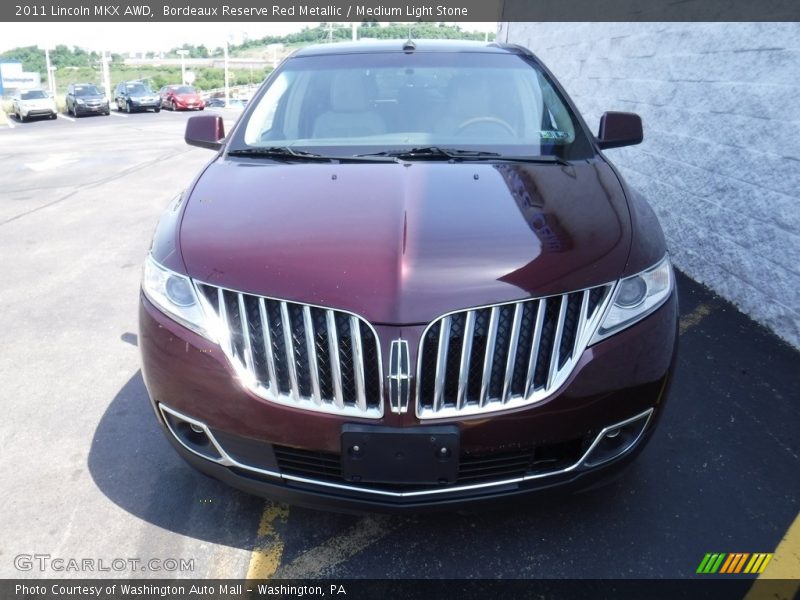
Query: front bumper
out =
(83, 109)
(619, 379)
(145, 104)
(37, 112)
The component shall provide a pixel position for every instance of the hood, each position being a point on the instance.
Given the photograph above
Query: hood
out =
(41, 102)
(405, 243)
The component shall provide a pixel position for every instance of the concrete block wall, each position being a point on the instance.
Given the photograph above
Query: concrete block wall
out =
(720, 162)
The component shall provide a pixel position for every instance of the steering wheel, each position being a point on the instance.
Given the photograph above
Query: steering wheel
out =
(493, 120)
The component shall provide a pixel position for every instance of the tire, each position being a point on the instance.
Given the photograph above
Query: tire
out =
(157, 109)
(53, 116)
(172, 106)
(107, 113)
(128, 108)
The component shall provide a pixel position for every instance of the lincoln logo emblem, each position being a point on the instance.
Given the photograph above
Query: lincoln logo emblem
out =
(399, 377)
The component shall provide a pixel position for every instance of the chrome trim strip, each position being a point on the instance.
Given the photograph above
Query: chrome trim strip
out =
(267, 335)
(358, 363)
(227, 461)
(336, 366)
(223, 317)
(288, 349)
(466, 353)
(555, 353)
(248, 348)
(441, 363)
(511, 358)
(311, 353)
(488, 358)
(533, 361)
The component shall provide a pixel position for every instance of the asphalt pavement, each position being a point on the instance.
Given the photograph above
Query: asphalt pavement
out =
(87, 474)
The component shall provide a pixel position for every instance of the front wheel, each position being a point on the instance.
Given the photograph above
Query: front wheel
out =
(128, 108)
(53, 116)
(158, 110)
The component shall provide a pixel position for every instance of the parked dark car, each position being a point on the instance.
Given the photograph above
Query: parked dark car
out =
(409, 277)
(180, 97)
(86, 98)
(135, 96)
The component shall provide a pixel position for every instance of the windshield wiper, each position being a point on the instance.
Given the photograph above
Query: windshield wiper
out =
(279, 152)
(288, 154)
(439, 153)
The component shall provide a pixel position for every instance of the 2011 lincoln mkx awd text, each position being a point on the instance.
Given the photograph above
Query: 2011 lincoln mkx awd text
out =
(409, 277)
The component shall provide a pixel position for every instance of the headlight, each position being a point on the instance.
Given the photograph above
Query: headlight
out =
(79, 100)
(175, 295)
(636, 297)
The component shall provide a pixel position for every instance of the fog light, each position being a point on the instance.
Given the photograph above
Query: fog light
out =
(617, 439)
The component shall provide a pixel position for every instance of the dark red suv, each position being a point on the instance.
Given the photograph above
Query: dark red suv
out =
(409, 277)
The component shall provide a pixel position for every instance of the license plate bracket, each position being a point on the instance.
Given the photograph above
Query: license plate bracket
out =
(407, 455)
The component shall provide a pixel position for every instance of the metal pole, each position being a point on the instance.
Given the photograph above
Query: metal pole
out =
(49, 71)
(355, 31)
(227, 91)
(183, 54)
(106, 76)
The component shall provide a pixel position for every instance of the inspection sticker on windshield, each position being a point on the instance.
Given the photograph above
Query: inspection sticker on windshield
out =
(553, 135)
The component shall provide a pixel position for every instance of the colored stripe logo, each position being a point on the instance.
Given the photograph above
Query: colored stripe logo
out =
(733, 563)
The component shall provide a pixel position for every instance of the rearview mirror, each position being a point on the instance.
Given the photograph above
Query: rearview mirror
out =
(619, 129)
(205, 132)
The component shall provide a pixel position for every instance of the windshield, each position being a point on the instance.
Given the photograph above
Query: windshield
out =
(390, 102)
(86, 90)
(184, 89)
(33, 95)
(137, 88)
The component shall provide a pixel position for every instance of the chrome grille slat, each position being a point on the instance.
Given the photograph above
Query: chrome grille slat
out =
(289, 349)
(537, 338)
(311, 349)
(441, 363)
(512, 351)
(507, 355)
(466, 351)
(358, 364)
(267, 337)
(556, 351)
(336, 365)
(248, 348)
(294, 354)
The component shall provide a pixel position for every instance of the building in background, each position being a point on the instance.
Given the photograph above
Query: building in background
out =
(720, 161)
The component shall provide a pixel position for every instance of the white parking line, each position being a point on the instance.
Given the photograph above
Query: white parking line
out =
(60, 116)
(117, 114)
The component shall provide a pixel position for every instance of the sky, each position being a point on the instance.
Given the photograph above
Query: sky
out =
(138, 37)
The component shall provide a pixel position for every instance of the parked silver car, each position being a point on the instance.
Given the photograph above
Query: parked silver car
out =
(34, 103)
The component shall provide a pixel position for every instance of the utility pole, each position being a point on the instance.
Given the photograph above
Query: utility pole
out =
(183, 54)
(106, 77)
(49, 72)
(354, 26)
(227, 91)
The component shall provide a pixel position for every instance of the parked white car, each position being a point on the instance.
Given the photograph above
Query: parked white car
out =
(34, 103)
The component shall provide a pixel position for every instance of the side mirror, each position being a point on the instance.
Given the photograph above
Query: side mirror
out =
(619, 129)
(206, 132)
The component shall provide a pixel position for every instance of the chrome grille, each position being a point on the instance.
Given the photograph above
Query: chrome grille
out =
(504, 356)
(299, 355)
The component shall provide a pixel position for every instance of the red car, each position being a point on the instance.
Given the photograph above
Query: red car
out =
(180, 97)
(409, 277)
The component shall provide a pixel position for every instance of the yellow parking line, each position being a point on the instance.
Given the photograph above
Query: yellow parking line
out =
(321, 559)
(268, 550)
(780, 580)
(694, 317)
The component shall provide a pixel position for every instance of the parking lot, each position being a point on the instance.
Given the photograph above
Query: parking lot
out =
(86, 473)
